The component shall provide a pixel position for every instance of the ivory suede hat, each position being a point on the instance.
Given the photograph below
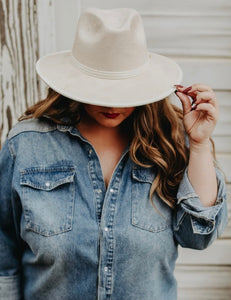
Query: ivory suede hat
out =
(109, 64)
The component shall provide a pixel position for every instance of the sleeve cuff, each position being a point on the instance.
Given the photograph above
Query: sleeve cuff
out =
(10, 287)
(202, 218)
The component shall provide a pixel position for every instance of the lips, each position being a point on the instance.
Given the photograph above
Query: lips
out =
(111, 116)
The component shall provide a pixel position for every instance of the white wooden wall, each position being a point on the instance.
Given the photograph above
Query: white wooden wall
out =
(26, 31)
(196, 33)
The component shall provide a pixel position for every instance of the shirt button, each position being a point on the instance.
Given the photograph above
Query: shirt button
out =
(111, 190)
(105, 269)
(47, 184)
(90, 151)
(99, 191)
(106, 229)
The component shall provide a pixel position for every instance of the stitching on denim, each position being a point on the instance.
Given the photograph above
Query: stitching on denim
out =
(197, 229)
(47, 170)
(32, 226)
(186, 197)
(11, 149)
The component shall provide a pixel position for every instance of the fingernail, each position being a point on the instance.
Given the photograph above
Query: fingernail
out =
(194, 107)
(187, 90)
(178, 86)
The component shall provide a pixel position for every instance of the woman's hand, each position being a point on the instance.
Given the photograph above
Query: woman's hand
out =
(200, 115)
(200, 118)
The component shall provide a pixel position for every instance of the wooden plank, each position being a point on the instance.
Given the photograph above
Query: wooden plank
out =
(225, 113)
(222, 143)
(224, 98)
(192, 34)
(223, 128)
(203, 276)
(184, 28)
(18, 54)
(46, 26)
(208, 71)
(24, 37)
(198, 6)
(224, 162)
(65, 30)
(203, 282)
(219, 253)
(205, 294)
(46, 35)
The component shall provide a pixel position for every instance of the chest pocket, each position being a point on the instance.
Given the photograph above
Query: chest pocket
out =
(48, 199)
(144, 215)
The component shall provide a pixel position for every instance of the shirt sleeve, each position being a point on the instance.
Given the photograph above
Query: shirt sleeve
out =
(9, 238)
(196, 226)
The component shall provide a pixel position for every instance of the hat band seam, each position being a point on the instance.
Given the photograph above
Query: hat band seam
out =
(110, 74)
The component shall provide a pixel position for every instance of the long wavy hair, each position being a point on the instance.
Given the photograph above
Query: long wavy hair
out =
(157, 138)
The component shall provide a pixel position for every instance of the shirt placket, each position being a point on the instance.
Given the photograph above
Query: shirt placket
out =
(105, 213)
(97, 183)
(107, 237)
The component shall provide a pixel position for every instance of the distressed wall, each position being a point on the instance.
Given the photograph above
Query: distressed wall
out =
(26, 32)
(18, 53)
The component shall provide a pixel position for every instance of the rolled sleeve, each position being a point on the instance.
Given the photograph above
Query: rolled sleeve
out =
(10, 288)
(196, 226)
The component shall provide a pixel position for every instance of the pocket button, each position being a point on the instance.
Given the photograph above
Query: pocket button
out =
(47, 184)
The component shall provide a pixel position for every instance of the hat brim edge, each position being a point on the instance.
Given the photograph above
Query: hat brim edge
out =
(99, 102)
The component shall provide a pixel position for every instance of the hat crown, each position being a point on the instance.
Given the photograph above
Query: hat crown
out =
(110, 40)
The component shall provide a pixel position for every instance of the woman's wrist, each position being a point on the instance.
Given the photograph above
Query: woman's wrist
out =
(199, 147)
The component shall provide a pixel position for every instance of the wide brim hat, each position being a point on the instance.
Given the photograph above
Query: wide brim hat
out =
(109, 64)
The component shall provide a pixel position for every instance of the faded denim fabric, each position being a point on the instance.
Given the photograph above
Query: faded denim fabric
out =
(64, 236)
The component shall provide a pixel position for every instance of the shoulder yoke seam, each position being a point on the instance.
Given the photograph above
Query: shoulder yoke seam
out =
(30, 126)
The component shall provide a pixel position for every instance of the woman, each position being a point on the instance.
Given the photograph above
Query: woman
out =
(98, 186)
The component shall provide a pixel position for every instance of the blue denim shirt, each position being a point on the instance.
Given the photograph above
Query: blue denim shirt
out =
(63, 235)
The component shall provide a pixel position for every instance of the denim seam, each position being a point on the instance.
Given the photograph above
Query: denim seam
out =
(211, 216)
(186, 197)
(37, 228)
(11, 149)
(203, 229)
(150, 229)
(180, 221)
(39, 128)
(47, 170)
(98, 211)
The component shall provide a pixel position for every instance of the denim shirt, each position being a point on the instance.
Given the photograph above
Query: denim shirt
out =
(63, 235)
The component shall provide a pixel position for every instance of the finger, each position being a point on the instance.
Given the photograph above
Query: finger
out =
(208, 97)
(200, 93)
(187, 91)
(201, 88)
(183, 89)
(193, 96)
(186, 103)
(209, 109)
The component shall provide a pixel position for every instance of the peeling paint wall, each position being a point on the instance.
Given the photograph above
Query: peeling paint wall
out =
(18, 53)
(26, 32)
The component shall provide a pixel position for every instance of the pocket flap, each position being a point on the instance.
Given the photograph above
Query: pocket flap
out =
(142, 174)
(47, 179)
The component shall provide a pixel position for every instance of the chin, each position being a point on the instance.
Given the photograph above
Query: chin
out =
(110, 124)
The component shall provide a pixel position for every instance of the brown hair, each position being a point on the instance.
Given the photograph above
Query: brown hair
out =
(158, 139)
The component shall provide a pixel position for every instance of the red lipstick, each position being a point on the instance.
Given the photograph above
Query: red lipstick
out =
(111, 116)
